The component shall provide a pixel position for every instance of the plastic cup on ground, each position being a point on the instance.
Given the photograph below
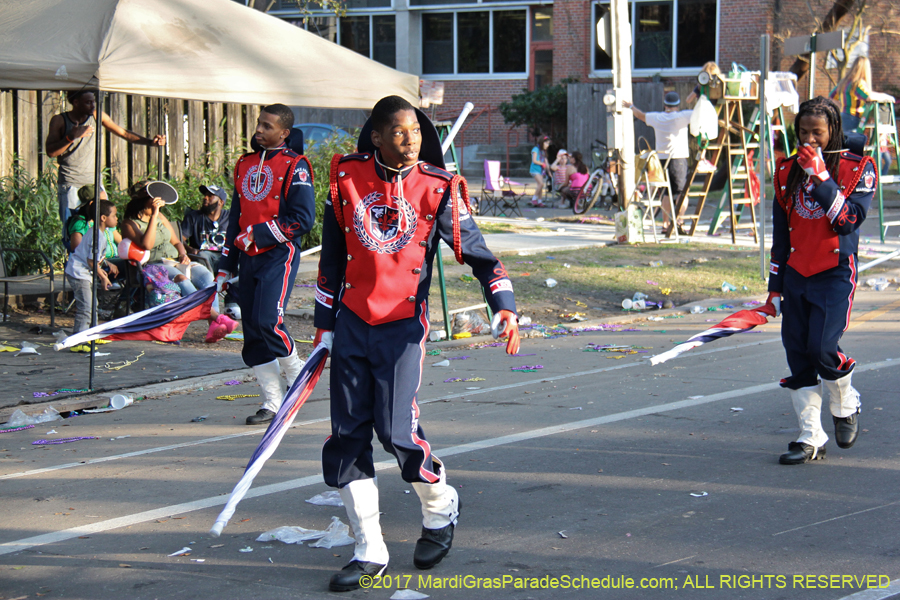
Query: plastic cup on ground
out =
(120, 401)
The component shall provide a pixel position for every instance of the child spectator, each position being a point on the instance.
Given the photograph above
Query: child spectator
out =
(81, 264)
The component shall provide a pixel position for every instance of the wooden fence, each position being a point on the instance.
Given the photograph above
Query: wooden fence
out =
(199, 134)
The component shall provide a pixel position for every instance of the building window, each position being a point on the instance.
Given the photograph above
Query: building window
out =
(476, 42)
(670, 34)
(542, 24)
(373, 36)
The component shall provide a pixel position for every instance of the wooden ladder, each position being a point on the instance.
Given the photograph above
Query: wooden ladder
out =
(733, 138)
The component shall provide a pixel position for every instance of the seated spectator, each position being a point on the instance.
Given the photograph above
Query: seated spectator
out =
(82, 219)
(149, 229)
(577, 173)
(560, 173)
(204, 230)
(80, 267)
(160, 287)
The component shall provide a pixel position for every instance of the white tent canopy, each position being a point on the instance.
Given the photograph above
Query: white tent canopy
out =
(212, 50)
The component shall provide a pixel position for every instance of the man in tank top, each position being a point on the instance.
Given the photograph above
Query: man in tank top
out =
(71, 142)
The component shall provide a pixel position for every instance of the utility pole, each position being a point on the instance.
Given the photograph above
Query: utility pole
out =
(623, 119)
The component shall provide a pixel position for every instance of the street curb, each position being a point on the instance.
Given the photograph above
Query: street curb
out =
(153, 390)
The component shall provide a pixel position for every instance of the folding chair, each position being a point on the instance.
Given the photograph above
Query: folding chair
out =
(497, 195)
(654, 175)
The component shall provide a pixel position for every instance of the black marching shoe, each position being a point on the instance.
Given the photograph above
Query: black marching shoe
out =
(348, 578)
(263, 415)
(434, 544)
(799, 453)
(846, 429)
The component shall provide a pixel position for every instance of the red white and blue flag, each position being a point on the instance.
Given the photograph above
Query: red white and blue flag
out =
(293, 400)
(163, 323)
(739, 322)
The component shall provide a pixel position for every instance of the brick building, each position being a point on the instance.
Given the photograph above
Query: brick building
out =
(485, 51)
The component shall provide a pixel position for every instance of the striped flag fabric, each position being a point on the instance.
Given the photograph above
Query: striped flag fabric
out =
(739, 322)
(293, 400)
(163, 323)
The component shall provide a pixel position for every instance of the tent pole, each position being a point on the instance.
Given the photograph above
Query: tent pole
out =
(98, 177)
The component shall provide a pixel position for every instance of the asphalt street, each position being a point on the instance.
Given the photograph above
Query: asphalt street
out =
(597, 469)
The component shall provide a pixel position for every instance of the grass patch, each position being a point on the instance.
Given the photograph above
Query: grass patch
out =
(602, 277)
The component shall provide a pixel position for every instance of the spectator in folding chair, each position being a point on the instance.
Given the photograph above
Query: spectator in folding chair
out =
(576, 177)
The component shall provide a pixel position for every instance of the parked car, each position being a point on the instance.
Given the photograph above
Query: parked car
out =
(316, 132)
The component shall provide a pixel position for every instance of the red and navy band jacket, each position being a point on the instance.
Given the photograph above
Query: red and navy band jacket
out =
(818, 229)
(378, 247)
(274, 197)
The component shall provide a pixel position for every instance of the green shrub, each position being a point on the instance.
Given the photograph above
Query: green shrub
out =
(320, 154)
(29, 218)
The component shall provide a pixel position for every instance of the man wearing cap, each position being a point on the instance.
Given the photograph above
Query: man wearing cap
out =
(204, 230)
(671, 128)
(71, 141)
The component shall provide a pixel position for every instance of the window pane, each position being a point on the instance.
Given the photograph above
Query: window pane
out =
(542, 24)
(602, 60)
(543, 68)
(510, 41)
(385, 50)
(367, 3)
(472, 34)
(431, 2)
(325, 27)
(696, 32)
(355, 34)
(653, 36)
(437, 43)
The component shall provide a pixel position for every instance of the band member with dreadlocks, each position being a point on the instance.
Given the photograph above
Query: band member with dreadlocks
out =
(822, 194)
(390, 206)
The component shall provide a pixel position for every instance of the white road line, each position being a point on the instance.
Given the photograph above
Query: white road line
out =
(859, 512)
(468, 393)
(151, 515)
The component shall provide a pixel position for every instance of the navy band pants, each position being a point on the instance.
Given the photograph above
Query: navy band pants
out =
(815, 313)
(376, 371)
(265, 286)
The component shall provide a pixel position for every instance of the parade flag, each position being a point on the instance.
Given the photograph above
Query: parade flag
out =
(739, 322)
(164, 323)
(293, 400)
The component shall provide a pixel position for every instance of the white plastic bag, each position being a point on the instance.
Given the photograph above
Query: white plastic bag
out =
(704, 120)
(290, 535)
(329, 498)
(337, 534)
(19, 418)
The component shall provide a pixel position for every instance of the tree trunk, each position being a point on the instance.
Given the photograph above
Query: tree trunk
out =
(838, 11)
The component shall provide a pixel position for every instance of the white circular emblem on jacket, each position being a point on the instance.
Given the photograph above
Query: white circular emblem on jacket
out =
(384, 228)
(257, 183)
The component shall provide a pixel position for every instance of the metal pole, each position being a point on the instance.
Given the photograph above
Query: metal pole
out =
(812, 66)
(621, 25)
(98, 178)
(763, 148)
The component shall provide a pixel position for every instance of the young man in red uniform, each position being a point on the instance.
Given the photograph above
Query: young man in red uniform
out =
(272, 207)
(822, 194)
(390, 206)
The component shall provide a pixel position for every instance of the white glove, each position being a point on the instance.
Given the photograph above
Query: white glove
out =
(324, 337)
(222, 278)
